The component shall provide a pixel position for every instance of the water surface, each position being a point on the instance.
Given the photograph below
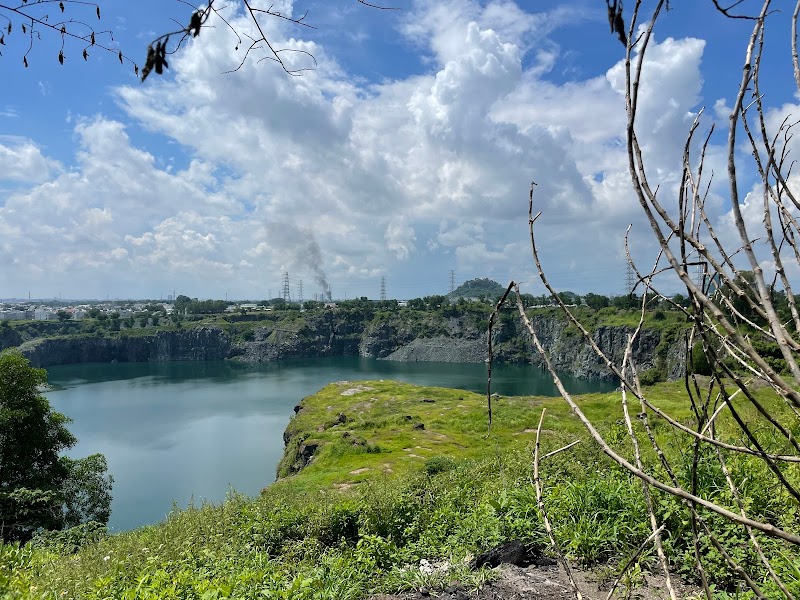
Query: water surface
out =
(183, 431)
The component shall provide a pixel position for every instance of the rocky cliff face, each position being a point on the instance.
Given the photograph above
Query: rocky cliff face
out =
(202, 343)
(331, 334)
(566, 347)
(321, 335)
(570, 353)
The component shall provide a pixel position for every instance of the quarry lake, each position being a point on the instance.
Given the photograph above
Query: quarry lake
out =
(177, 432)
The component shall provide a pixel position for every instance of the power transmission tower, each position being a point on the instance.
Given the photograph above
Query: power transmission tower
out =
(286, 296)
(452, 281)
(300, 292)
(630, 279)
(383, 289)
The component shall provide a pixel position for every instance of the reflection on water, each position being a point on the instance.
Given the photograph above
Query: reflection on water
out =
(192, 430)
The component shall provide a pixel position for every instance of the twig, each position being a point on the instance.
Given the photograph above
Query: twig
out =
(545, 520)
(632, 559)
(567, 447)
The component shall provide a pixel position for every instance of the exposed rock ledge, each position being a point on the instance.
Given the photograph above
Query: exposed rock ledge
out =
(441, 349)
(202, 343)
(332, 336)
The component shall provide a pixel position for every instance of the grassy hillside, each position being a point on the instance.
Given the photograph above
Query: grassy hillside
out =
(399, 473)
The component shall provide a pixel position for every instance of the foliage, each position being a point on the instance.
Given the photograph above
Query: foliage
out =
(700, 365)
(596, 301)
(86, 491)
(188, 306)
(38, 488)
(478, 288)
(366, 532)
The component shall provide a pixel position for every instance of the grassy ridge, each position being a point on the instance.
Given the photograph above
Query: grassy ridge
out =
(381, 493)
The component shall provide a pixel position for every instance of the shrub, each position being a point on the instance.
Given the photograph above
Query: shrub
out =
(438, 464)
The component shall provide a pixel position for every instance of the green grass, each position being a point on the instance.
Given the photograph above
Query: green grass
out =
(381, 494)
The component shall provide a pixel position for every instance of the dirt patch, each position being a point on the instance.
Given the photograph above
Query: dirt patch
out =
(343, 487)
(543, 583)
(359, 471)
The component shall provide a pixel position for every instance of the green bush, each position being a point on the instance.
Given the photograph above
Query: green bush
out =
(69, 541)
(651, 376)
(700, 365)
(438, 464)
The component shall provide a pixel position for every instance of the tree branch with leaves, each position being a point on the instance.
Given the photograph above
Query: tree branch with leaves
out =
(70, 21)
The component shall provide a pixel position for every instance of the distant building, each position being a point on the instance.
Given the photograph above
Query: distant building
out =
(43, 313)
(12, 315)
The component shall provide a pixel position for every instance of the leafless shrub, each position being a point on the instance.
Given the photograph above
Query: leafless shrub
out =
(745, 327)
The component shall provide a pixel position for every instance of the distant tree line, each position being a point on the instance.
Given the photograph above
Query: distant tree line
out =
(188, 306)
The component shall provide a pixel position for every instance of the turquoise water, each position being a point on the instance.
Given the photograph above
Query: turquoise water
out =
(191, 431)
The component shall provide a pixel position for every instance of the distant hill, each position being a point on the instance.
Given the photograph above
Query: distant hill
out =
(475, 288)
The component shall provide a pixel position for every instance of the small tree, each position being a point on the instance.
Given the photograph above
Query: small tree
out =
(39, 489)
(596, 301)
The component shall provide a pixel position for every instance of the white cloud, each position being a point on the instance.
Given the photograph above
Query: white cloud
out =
(341, 180)
(22, 161)
(400, 238)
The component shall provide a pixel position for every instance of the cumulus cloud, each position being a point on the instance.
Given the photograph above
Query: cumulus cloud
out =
(339, 179)
(21, 160)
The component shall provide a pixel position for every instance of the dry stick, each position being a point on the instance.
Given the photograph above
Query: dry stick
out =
(770, 145)
(735, 491)
(698, 519)
(644, 545)
(738, 218)
(698, 556)
(627, 361)
(789, 487)
(720, 407)
(701, 414)
(490, 358)
(699, 204)
(567, 447)
(787, 433)
(656, 529)
(648, 201)
(728, 558)
(588, 338)
(540, 502)
(675, 491)
(665, 464)
(734, 353)
(795, 59)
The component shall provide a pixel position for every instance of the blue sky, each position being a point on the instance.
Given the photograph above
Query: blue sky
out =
(406, 154)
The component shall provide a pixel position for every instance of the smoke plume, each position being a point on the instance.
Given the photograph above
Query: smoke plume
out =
(298, 249)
